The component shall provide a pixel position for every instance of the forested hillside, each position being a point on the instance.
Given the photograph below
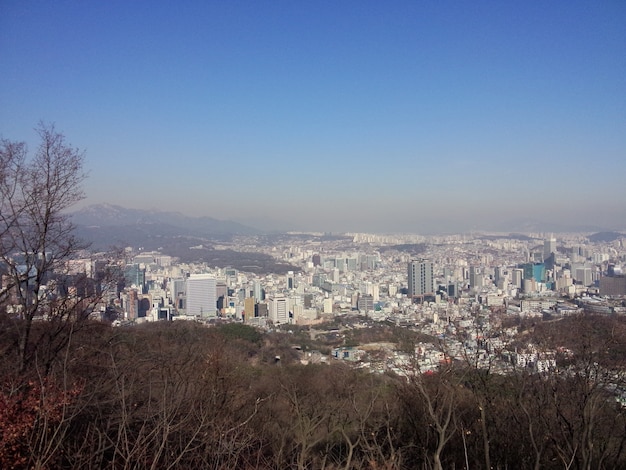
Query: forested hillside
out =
(181, 395)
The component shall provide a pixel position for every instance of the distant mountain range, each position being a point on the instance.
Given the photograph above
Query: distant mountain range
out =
(106, 225)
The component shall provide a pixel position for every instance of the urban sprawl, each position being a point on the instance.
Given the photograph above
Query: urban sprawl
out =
(459, 290)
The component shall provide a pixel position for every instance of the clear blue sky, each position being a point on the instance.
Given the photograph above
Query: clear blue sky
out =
(370, 116)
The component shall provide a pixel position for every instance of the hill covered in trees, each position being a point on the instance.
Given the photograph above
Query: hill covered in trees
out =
(183, 395)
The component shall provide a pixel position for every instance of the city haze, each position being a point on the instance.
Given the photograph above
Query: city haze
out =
(351, 116)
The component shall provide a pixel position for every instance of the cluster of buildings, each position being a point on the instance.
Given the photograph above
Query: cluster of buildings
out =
(382, 277)
(459, 289)
(399, 278)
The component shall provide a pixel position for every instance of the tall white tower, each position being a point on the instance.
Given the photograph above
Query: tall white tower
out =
(421, 279)
(549, 247)
(279, 310)
(201, 295)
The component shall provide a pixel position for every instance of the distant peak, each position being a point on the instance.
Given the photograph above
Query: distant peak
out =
(111, 215)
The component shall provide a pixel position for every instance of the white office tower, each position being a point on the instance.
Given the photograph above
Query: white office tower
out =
(421, 279)
(279, 310)
(201, 295)
(549, 247)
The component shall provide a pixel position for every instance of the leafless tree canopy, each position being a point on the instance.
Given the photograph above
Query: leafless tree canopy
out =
(36, 235)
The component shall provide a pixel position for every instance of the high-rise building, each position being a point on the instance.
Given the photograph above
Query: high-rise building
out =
(248, 306)
(421, 279)
(201, 295)
(176, 288)
(517, 276)
(536, 271)
(221, 294)
(257, 292)
(260, 310)
(476, 277)
(278, 310)
(549, 247)
(453, 290)
(352, 264)
(221, 289)
(500, 273)
(365, 303)
(613, 285)
(132, 309)
(584, 275)
(135, 276)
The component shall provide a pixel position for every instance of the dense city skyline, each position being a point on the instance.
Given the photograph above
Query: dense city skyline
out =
(339, 117)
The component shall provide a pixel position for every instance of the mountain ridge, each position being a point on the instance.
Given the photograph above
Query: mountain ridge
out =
(110, 215)
(107, 225)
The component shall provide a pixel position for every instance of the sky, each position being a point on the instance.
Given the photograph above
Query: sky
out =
(404, 116)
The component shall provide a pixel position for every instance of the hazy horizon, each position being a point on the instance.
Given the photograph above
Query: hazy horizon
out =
(351, 116)
(514, 225)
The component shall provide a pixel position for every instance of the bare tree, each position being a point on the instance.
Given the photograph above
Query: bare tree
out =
(36, 235)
